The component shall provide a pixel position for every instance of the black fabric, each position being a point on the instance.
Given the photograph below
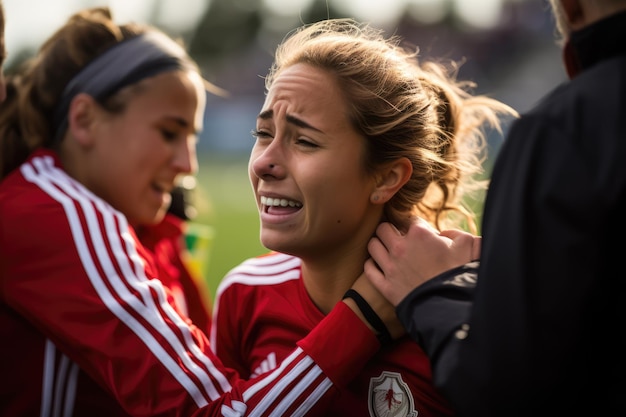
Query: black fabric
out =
(598, 43)
(546, 328)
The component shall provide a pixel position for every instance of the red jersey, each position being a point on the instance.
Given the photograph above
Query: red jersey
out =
(166, 242)
(88, 329)
(262, 308)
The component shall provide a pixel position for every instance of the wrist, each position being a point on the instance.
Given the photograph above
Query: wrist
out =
(368, 315)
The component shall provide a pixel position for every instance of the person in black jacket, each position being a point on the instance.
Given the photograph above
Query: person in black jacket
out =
(537, 327)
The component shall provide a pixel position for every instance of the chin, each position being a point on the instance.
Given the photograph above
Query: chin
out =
(272, 245)
(158, 216)
(287, 247)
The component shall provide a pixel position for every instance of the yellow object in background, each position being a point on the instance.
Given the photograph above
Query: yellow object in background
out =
(199, 240)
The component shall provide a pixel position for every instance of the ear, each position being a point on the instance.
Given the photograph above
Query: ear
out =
(81, 118)
(390, 178)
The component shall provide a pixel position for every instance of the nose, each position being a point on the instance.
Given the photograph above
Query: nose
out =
(185, 158)
(267, 161)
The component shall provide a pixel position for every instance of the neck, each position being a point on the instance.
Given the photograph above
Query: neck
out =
(328, 278)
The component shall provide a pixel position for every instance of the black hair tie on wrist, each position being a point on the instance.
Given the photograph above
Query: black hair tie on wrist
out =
(384, 337)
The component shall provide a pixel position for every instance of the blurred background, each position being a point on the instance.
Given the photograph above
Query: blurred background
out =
(507, 48)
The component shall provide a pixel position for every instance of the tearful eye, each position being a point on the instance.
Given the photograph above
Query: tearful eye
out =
(306, 143)
(260, 134)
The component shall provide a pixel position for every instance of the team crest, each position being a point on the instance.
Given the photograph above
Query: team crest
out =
(389, 396)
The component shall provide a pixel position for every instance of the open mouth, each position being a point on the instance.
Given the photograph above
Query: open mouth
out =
(279, 205)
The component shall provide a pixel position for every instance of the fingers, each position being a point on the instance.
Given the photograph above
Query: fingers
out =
(376, 248)
(388, 239)
(377, 278)
(386, 232)
(401, 262)
(374, 275)
(389, 235)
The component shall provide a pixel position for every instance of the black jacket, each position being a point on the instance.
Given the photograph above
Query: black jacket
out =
(545, 334)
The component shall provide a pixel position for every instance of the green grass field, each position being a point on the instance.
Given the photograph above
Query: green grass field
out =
(225, 202)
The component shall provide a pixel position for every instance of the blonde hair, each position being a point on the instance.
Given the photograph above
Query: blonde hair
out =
(405, 108)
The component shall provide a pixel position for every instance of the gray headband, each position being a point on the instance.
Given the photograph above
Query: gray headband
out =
(125, 63)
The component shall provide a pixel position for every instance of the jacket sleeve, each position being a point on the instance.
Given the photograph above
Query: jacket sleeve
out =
(84, 283)
(436, 316)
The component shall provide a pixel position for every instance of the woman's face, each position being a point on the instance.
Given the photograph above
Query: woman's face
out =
(307, 169)
(136, 157)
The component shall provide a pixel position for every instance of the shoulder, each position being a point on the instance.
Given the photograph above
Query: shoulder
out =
(35, 201)
(43, 180)
(40, 199)
(577, 125)
(580, 105)
(268, 269)
(53, 225)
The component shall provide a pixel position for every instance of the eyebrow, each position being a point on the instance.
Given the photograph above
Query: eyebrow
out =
(268, 114)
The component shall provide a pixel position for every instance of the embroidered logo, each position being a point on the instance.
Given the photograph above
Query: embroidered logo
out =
(389, 396)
